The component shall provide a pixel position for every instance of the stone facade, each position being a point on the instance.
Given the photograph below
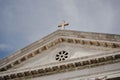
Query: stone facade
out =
(66, 55)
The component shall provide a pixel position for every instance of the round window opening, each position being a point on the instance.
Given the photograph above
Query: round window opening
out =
(61, 56)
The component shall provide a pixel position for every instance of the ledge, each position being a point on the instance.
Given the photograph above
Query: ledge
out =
(63, 68)
(55, 42)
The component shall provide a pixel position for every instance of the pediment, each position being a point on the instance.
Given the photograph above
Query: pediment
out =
(60, 46)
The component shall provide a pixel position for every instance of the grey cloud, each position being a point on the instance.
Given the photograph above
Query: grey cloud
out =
(25, 21)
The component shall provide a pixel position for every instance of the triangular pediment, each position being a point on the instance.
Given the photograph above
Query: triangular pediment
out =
(62, 46)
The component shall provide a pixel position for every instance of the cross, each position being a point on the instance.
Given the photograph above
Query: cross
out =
(63, 24)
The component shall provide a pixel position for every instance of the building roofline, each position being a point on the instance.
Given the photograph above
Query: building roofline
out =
(65, 33)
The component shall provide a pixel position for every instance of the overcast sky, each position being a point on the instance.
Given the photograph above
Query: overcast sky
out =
(25, 21)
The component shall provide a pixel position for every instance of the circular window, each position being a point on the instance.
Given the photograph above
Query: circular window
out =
(62, 55)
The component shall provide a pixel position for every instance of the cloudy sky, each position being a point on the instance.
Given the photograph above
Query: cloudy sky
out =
(25, 21)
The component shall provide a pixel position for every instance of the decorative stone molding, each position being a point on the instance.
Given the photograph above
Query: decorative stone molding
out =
(63, 33)
(58, 41)
(63, 68)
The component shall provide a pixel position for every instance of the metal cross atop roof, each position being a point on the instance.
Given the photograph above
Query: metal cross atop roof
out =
(63, 24)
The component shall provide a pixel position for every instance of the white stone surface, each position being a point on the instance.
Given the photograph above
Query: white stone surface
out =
(111, 70)
(74, 51)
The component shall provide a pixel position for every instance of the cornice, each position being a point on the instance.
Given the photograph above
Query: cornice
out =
(40, 49)
(57, 37)
(78, 65)
(68, 33)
